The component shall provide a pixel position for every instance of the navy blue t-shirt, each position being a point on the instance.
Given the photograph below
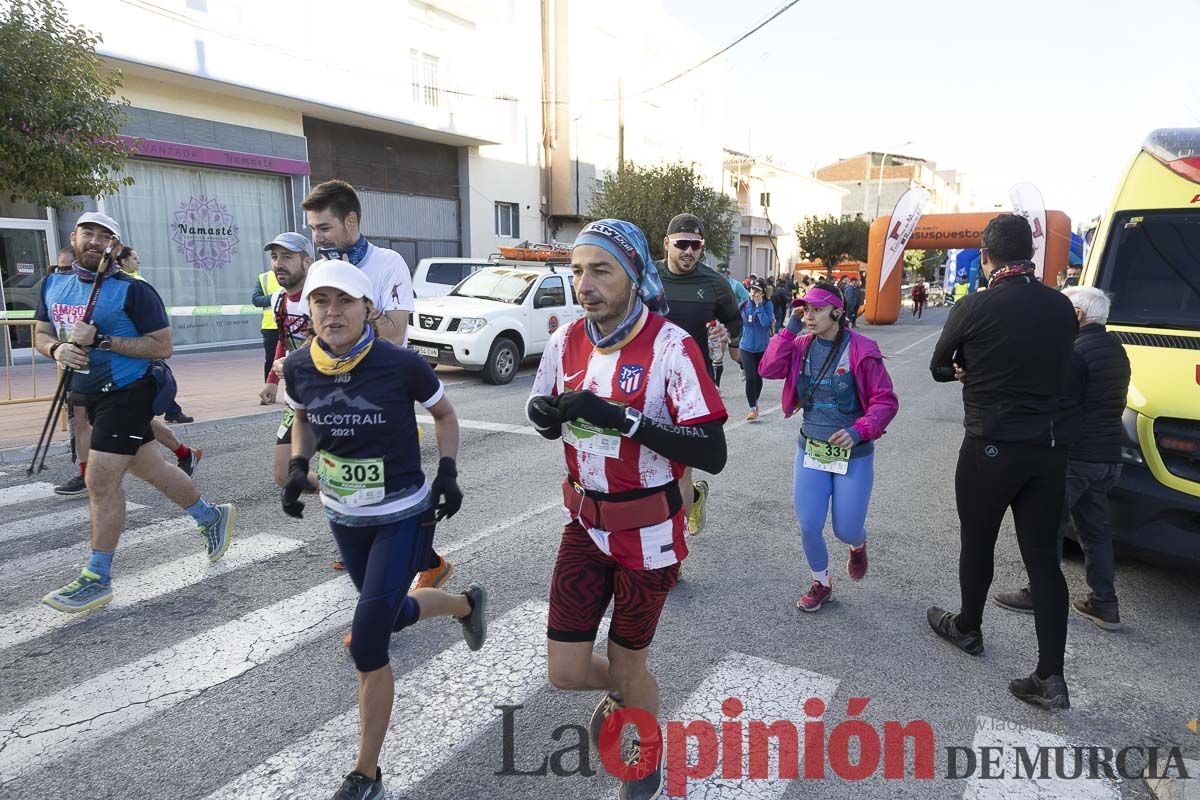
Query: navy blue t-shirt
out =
(125, 307)
(368, 414)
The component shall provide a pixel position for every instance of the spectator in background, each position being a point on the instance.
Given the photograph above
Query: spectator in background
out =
(781, 299)
(757, 317)
(265, 287)
(854, 299)
(1073, 273)
(66, 257)
(740, 294)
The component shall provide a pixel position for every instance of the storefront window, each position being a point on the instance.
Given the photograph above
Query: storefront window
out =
(199, 234)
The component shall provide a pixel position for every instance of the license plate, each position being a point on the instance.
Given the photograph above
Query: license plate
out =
(428, 352)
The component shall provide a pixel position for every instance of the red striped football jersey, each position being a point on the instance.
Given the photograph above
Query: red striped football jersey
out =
(661, 373)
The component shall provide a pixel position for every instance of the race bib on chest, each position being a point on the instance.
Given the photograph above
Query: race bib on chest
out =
(589, 438)
(825, 456)
(352, 481)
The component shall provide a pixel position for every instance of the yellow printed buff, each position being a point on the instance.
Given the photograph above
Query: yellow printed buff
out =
(329, 364)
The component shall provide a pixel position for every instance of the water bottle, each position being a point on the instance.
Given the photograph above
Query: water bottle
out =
(714, 344)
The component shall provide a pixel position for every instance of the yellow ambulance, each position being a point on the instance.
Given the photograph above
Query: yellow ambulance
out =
(1146, 255)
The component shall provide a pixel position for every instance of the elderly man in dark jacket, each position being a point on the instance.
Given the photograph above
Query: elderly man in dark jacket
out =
(1099, 381)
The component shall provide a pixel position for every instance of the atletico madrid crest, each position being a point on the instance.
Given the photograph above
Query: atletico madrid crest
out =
(631, 378)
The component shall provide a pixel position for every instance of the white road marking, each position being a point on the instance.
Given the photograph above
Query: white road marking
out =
(761, 414)
(480, 425)
(487, 533)
(904, 350)
(126, 696)
(1008, 736)
(39, 490)
(23, 528)
(770, 692)
(41, 564)
(439, 708)
(38, 620)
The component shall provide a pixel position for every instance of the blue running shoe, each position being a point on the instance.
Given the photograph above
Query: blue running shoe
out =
(218, 535)
(82, 594)
(357, 786)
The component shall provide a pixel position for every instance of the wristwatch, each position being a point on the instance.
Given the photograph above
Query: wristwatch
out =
(633, 418)
(103, 342)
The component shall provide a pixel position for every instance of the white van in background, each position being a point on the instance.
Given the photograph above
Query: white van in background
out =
(435, 277)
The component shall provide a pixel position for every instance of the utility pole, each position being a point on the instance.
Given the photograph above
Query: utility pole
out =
(620, 124)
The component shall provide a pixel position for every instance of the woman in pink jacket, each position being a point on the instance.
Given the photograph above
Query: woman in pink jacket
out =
(837, 377)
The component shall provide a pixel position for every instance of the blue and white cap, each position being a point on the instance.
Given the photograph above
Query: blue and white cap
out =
(103, 220)
(626, 242)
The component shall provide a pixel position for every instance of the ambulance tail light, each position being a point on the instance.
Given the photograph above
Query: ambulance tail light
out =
(1178, 149)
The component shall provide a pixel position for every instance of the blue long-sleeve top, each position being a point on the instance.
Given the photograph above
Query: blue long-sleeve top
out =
(756, 326)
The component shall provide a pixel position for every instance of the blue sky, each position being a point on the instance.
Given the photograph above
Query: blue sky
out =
(1057, 92)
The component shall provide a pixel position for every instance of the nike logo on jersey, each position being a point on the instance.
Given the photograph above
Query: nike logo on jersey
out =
(569, 378)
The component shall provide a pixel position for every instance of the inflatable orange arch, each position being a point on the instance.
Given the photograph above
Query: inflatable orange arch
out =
(945, 232)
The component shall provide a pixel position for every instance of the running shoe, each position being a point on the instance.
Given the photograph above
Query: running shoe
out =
(338, 564)
(856, 566)
(75, 487)
(648, 778)
(218, 535)
(189, 462)
(945, 625)
(357, 786)
(1050, 693)
(178, 419)
(435, 577)
(610, 703)
(82, 594)
(753, 415)
(1108, 620)
(695, 518)
(475, 623)
(817, 595)
(1020, 601)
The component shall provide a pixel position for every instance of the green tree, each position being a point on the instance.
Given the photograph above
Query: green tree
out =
(58, 120)
(648, 196)
(923, 262)
(831, 240)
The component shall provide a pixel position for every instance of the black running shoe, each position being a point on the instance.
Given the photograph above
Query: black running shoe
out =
(945, 625)
(610, 703)
(1050, 693)
(357, 786)
(188, 463)
(475, 623)
(648, 781)
(75, 487)
(178, 419)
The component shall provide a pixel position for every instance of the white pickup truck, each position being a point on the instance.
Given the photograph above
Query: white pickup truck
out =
(494, 318)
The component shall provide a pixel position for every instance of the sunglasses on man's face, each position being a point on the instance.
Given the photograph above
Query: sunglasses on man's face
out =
(688, 244)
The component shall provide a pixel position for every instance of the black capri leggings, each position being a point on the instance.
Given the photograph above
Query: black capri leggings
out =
(382, 560)
(754, 382)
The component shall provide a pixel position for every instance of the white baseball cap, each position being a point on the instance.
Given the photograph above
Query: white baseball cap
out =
(337, 275)
(103, 220)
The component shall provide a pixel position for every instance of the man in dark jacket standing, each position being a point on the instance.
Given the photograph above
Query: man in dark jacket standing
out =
(1099, 381)
(1018, 417)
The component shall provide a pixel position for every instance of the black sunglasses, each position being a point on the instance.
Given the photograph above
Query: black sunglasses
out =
(688, 244)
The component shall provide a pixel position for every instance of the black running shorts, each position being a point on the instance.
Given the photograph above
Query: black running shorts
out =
(121, 419)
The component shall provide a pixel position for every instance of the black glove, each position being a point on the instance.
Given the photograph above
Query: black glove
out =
(586, 405)
(543, 412)
(297, 484)
(444, 492)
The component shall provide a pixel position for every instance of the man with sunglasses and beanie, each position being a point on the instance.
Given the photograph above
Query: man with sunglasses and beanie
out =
(630, 396)
(1019, 419)
(697, 295)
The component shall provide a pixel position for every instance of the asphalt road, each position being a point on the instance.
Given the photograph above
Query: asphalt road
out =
(232, 682)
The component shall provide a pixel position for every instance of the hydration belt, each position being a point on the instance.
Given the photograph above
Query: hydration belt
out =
(639, 508)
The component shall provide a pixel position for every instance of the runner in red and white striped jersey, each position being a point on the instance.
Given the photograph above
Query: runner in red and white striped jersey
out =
(629, 394)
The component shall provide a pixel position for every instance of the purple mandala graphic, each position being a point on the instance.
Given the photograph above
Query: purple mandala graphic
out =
(205, 233)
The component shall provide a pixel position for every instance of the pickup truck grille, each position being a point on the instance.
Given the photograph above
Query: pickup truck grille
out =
(429, 322)
(1178, 463)
(1158, 340)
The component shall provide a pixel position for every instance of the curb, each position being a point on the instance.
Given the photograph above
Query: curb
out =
(21, 455)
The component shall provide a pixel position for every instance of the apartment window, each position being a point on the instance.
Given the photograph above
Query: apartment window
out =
(764, 199)
(424, 78)
(507, 220)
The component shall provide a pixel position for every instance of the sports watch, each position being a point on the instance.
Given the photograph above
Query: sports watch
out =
(103, 342)
(633, 418)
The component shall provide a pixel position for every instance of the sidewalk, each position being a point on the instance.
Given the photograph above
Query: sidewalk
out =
(212, 386)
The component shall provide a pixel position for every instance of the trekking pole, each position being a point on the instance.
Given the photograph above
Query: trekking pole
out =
(43, 445)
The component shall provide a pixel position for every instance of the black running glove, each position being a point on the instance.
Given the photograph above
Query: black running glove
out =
(588, 406)
(543, 412)
(297, 484)
(444, 493)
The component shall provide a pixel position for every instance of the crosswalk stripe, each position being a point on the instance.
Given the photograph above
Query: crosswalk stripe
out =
(39, 619)
(128, 695)
(770, 691)
(39, 565)
(38, 490)
(423, 734)
(1008, 736)
(481, 425)
(23, 528)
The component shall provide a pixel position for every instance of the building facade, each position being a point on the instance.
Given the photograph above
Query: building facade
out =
(875, 181)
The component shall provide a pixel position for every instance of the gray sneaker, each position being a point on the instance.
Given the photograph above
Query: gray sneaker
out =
(475, 623)
(648, 783)
(610, 703)
(218, 535)
(357, 786)
(1020, 601)
(82, 594)
(75, 487)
